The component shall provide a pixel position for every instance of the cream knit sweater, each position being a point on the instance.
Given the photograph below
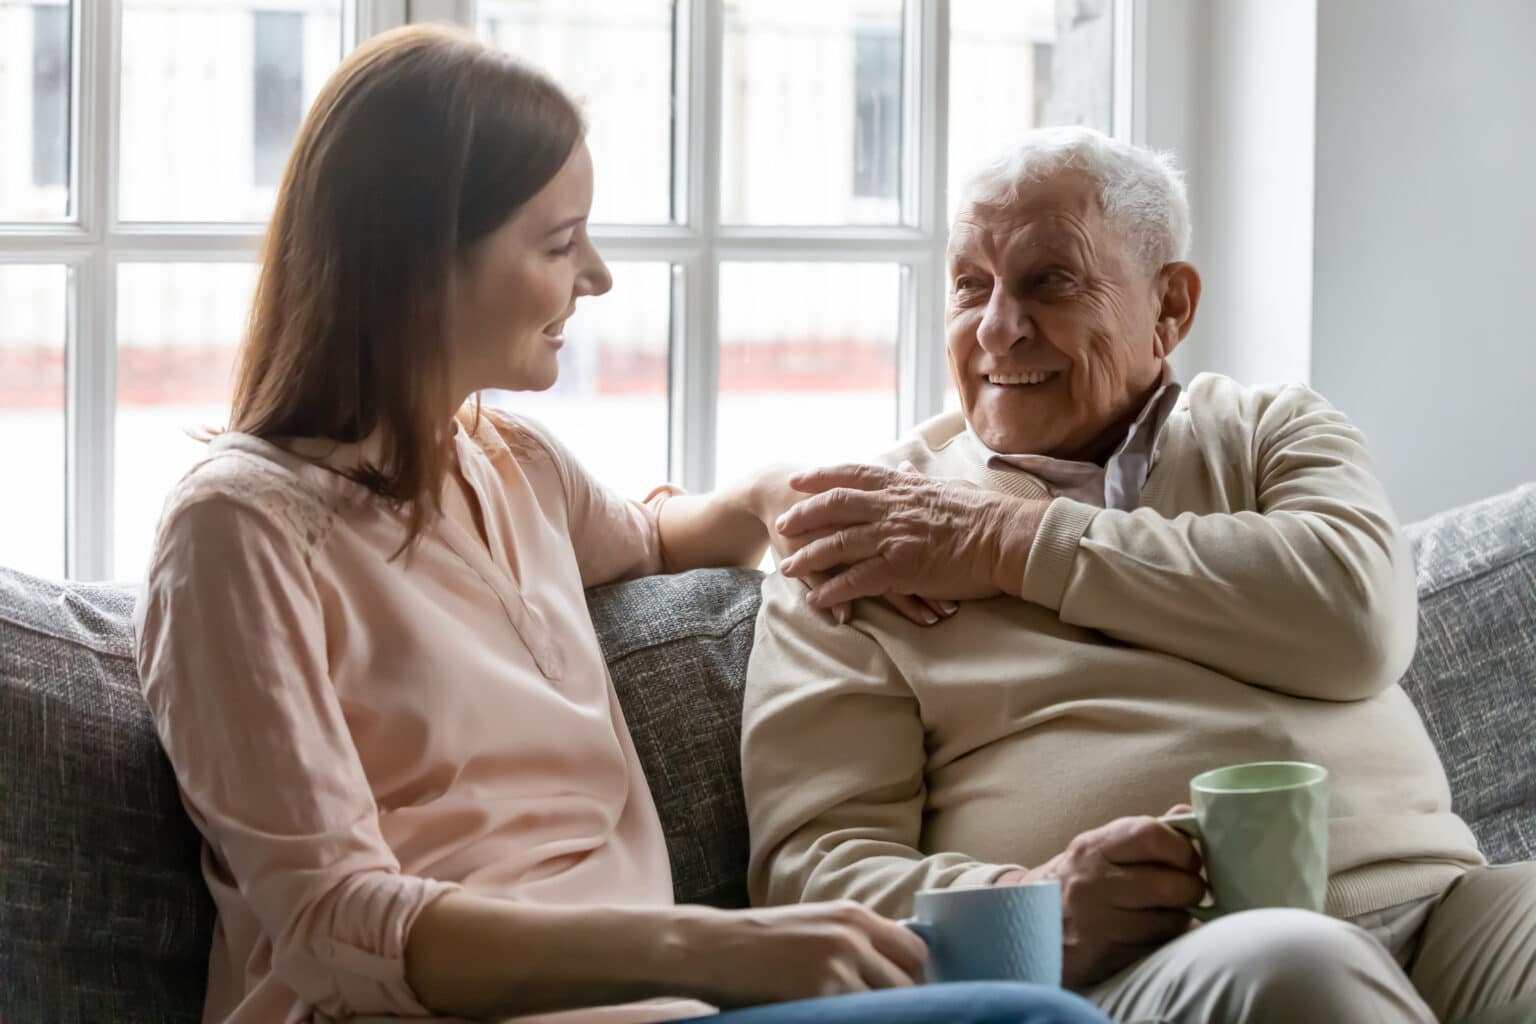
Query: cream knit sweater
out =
(1259, 605)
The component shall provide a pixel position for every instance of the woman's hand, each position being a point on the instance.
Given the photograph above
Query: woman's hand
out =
(747, 957)
(869, 531)
(771, 495)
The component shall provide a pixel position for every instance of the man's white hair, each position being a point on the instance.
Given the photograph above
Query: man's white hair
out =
(1140, 191)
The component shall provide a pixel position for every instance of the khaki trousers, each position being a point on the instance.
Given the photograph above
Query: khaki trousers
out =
(1467, 956)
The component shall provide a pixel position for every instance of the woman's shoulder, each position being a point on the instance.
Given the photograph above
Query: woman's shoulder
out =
(501, 432)
(242, 479)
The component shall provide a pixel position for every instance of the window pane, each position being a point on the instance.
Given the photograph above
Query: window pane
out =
(807, 363)
(811, 112)
(615, 56)
(213, 92)
(34, 109)
(1020, 64)
(32, 446)
(178, 326)
(610, 402)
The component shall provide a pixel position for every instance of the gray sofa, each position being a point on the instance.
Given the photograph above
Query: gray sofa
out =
(103, 915)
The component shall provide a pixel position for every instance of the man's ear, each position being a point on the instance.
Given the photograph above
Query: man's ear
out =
(1179, 295)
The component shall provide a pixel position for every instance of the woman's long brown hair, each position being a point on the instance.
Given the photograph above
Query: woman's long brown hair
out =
(422, 143)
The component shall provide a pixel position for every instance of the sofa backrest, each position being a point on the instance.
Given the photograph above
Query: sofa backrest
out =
(103, 913)
(1473, 676)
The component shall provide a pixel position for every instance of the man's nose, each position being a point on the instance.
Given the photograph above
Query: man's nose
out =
(1005, 323)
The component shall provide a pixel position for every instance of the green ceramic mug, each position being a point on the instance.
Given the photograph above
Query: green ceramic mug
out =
(1263, 831)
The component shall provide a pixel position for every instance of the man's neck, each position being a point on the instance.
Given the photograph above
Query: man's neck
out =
(1113, 436)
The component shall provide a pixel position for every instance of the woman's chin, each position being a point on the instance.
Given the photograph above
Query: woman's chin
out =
(536, 380)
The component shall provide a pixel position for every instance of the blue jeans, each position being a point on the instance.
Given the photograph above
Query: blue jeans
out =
(967, 1002)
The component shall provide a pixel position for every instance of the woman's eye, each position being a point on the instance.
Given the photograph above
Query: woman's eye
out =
(564, 250)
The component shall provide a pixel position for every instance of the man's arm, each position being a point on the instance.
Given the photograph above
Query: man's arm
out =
(833, 767)
(1312, 594)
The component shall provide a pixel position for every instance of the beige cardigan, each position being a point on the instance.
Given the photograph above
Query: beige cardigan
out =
(1258, 605)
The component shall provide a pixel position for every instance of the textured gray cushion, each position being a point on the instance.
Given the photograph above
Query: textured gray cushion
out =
(1474, 676)
(103, 912)
(677, 648)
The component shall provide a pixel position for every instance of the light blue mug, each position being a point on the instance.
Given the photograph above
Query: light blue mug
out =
(998, 933)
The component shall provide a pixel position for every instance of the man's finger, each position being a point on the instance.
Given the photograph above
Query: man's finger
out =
(1145, 841)
(841, 506)
(859, 475)
(1153, 887)
(870, 578)
(847, 546)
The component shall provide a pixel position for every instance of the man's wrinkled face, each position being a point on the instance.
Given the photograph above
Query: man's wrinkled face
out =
(1054, 332)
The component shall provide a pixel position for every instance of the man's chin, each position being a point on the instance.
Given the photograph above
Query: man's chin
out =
(1028, 434)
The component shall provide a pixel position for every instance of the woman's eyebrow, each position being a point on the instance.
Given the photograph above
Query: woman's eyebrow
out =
(566, 224)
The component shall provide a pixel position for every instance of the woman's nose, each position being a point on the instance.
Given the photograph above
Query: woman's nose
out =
(596, 278)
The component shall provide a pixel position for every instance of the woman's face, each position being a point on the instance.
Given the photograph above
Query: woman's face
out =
(519, 285)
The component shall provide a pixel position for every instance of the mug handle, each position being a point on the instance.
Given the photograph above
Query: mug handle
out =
(1189, 824)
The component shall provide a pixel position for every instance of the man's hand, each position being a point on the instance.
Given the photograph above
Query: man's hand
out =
(876, 532)
(770, 495)
(1125, 891)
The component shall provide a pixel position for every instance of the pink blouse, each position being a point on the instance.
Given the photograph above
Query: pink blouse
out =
(356, 736)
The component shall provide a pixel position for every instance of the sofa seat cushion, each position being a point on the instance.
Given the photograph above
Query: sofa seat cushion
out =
(1474, 674)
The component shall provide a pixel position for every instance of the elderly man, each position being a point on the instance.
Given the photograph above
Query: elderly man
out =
(1157, 581)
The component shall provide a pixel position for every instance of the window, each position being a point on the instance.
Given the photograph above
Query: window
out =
(877, 95)
(50, 96)
(771, 196)
(277, 92)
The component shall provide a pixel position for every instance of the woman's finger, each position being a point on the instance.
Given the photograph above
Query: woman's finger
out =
(913, 609)
(902, 947)
(841, 614)
(943, 609)
(879, 972)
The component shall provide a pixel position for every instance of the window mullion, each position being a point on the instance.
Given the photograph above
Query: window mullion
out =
(461, 12)
(90, 366)
(90, 353)
(696, 368)
(370, 17)
(921, 365)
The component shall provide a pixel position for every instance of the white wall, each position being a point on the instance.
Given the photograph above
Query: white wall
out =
(1359, 171)
(1230, 90)
(1425, 255)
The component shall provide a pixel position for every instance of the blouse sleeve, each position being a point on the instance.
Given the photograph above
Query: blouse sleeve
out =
(232, 658)
(615, 538)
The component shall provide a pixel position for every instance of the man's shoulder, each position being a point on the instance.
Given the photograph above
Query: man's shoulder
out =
(929, 445)
(1216, 399)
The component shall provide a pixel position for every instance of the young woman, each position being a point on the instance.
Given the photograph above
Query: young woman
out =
(364, 639)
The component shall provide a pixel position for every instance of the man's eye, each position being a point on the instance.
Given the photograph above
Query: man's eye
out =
(1055, 279)
(965, 284)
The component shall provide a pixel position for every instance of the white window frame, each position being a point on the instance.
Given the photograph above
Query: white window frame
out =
(95, 242)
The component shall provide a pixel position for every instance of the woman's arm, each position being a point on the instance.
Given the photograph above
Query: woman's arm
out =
(724, 527)
(485, 958)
